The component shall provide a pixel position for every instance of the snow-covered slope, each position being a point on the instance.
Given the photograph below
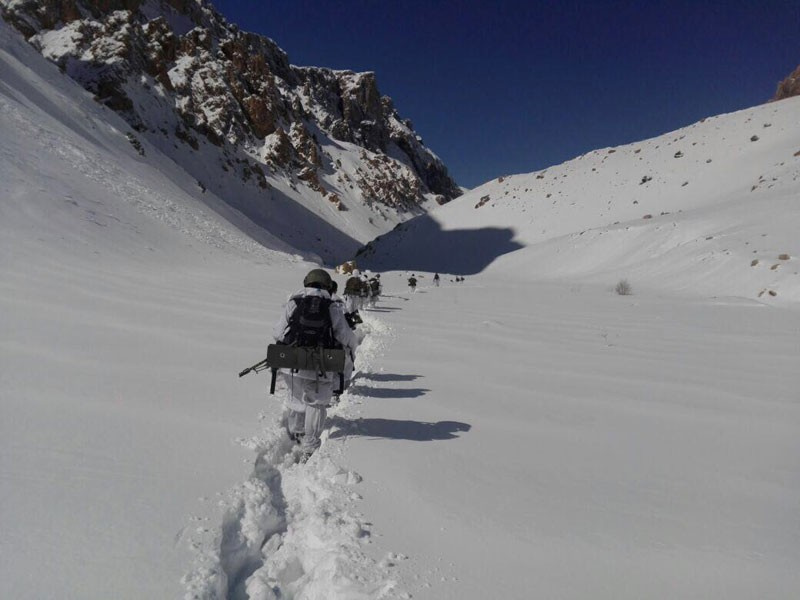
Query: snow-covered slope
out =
(503, 438)
(128, 304)
(122, 301)
(709, 209)
(316, 157)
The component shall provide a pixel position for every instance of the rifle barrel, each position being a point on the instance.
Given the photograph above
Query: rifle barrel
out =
(259, 366)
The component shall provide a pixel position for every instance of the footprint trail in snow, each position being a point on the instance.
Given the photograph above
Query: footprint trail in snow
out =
(291, 530)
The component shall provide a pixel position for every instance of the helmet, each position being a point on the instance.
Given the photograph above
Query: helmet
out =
(318, 278)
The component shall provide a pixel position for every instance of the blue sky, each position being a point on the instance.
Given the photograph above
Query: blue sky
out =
(497, 88)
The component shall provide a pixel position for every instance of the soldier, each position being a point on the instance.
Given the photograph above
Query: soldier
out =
(374, 289)
(311, 318)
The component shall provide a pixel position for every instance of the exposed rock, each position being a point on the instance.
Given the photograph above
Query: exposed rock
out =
(161, 51)
(789, 87)
(178, 66)
(31, 16)
(259, 115)
(337, 202)
(303, 143)
(280, 151)
(388, 182)
(309, 175)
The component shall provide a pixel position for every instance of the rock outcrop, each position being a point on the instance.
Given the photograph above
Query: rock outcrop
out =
(789, 87)
(190, 82)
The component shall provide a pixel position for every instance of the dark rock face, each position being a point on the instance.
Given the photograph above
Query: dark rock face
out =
(789, 87)
(176, 67)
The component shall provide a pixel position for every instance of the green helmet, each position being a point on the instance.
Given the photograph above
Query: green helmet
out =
(318, 278)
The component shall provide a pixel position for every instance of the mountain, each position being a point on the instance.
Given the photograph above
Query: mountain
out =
(316, 157)
(708, 209)
(505, 437)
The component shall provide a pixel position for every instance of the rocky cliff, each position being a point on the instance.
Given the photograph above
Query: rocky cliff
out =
(229, 107)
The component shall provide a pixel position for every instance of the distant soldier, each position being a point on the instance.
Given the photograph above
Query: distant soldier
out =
(412, 283)
(349, 356)
(352, 293)
(364, 277)
(374, 289)
(436, 280)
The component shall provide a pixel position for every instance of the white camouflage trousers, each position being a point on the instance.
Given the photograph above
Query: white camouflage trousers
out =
(308, 403)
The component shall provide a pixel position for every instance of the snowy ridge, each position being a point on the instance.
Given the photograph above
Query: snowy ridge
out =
(292, 530)
(708, 209)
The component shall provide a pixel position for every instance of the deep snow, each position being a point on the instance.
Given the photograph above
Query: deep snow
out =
(508, 436)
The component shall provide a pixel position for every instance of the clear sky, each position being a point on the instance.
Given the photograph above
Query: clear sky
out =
(502, 87)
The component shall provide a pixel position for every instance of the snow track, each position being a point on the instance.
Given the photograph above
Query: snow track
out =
(292, 530)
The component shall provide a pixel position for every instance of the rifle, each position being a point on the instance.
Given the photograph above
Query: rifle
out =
(281, 356)
(262, 366)
(353, 319)
(256, 368)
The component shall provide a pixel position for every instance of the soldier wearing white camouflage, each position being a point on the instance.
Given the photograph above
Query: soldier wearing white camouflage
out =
(375, 289)
(310, 392)
(349, 363)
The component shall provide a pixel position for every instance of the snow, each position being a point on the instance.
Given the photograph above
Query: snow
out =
(301, 213)
(695, 227)
(594, 445)
(61, 42)
(525, 433)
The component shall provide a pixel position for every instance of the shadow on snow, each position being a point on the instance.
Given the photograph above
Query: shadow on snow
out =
(422, 245)
(372, 392)
(390, 377)
(415, 431)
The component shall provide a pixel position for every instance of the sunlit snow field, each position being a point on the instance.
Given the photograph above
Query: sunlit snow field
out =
(526, 433)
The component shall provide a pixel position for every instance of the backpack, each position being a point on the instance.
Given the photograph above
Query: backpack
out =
(310, 323)
(352, 286)
(375, 286)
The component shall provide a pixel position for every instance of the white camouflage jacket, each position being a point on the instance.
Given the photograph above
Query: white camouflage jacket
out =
(341, 330)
